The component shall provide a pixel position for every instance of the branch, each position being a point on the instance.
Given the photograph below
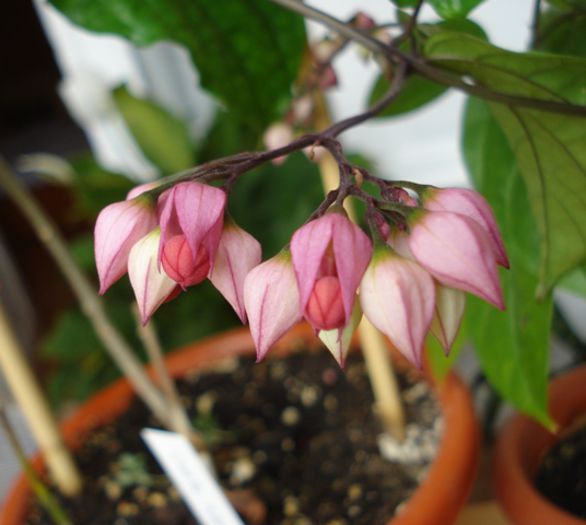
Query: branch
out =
(90, 302)
(340, 27)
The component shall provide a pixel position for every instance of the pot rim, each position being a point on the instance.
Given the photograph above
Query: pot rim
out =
(521, 445)
(441, 495)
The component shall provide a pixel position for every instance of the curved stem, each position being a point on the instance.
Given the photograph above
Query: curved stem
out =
(340, 27)
(426, 69)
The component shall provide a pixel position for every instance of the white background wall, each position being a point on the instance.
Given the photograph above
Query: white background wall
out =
(423, 146)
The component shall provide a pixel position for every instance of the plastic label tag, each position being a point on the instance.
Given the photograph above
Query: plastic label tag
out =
(191, 477)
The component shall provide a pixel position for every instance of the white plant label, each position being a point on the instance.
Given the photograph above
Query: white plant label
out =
(191, 477)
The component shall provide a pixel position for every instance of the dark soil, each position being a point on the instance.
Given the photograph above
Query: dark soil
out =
(561, 477)
(297, 434)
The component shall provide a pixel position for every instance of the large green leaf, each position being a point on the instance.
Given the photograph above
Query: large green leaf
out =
(513, 346)
(163, 138)
(95, 187)
(247, 51)
(548, 147)
(551, 155)
(417, 91)
(273, 201)
(532, 75)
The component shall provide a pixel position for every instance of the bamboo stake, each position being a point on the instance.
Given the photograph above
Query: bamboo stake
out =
(379, 366)
(31, 400)
(55, 511)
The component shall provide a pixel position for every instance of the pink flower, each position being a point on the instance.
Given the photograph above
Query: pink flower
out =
(324, 49)
(328, 78)
(473, 205)
(191, 216)
(118, 227)
(141, 188)
(363, 21)
(238, 253)
(276, 136)
(457, 251)
(271, 299)
(447, 317)
(151, 285)
(398, 296)
(330, 255)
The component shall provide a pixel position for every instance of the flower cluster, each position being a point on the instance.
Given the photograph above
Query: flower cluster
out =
(176, 242)
(407, 280)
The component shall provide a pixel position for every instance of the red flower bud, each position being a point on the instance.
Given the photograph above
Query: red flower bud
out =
(180, 264)
(325, 308)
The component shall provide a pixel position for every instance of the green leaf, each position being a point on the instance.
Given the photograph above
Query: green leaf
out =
(82, 250)
(540, 76)
(454, 8)
(548, 147)
(96, 187)
(462, 25)
(575, 281)
(512, 346)
(247, 52)
(163, 138)
(405, 3)
(550, 153)
(273, 201)
(417, 91)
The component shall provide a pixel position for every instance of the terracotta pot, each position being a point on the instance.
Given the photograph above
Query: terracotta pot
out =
(521, 446)
(438, 499)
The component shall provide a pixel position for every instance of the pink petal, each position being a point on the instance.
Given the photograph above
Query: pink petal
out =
(397, 296)
(238, 253)
(276, 136)
(458, 253)
(118, 227)
(473, 205)
(448, 312)
(141, 188)
(352, 251)
(195, 210)
(272, 301)
(151, 286)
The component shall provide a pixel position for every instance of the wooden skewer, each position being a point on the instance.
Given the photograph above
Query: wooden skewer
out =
(31, 400)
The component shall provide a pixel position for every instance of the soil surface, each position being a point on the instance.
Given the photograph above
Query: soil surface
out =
(296, 437)
(561, 477)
